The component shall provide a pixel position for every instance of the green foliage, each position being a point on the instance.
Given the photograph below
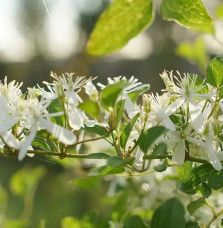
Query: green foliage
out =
(133, 222)
(160, 149)
(197, 176)
(196, 204)
(122, 20)
(119, 110)
(170, 214)
(162, 166)
(99, 156)
(127, 130)
(135, 93)
(110, 93)
(97, 129)
(25, 180)
(70, 222)
(214, 72)
(219, 11)
(149, 136)
(195, 52)
(191, 14)
(205, 190)
(3, 199)
(57, 106)
(215, 179)
(91, 107)
(107, 170)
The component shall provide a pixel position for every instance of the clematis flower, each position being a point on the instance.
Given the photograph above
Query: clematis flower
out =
(35, 118)
(131, 85)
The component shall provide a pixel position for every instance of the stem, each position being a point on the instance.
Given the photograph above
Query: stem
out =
(88, 140)
(215, 216)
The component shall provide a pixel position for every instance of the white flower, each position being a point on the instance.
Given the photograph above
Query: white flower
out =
(131, 85)
(162, 109)
(36, 118)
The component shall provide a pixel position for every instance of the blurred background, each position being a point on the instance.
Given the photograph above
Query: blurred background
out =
(37, 37)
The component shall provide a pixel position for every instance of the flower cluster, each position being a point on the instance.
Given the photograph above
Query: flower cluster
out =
(189, 108)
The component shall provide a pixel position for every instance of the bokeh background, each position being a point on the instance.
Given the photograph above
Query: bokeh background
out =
(38, 37)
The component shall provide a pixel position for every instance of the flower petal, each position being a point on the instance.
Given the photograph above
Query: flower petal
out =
(169, 124)
(27, 142)
(212, 155)
(10, 140)
(8, 123)
(64, 135)
(76, 119)
(179, 153)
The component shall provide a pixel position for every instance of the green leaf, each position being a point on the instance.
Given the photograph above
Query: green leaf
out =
(170, 214)
(215, 72)
(127, 130)
(205, 190)
(196, 204)
(190, 13)
(133, 222)
(41, 143)
(57, 106)
(219, 11)
(136, 92)
(99, 156)
(215, 179)
(149, 136)
(161, 167)
(106, 170)
(70, 222)
(111, 92)
(25, 180)
(160, 149)
(191, 224)
(115, 161)
(120, 22)
(91, 107)
(97, 129)
(119, 109)
(195, 52)
(197, 176)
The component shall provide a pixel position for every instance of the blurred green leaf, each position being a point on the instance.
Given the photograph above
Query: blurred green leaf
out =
(160, 149)
(170, 214)
(196, 204)
(120, 22)
(219, 11)
(191, 14)
(119, 109)
(197, 176)
(25, 180)
(195, 52)
(136, 92)
(91, 107)
(106, 170)
(57, 106)
(97, 129)
(70, 222)
(127, 130)
(191, 224)
(134, 221)
(149, 136)
(161, 167)
(215, 179)
(18, 223)
(3, 200)
(111, 92)
(214, 72)
(99, 156)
